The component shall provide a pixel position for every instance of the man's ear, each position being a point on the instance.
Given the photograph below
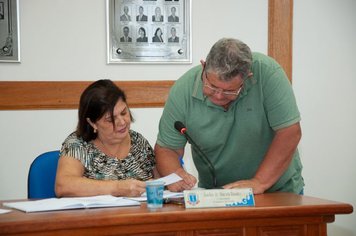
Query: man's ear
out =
(202, 62)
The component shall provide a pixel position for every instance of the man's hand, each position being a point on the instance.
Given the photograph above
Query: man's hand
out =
(188, 181)
(256, 186)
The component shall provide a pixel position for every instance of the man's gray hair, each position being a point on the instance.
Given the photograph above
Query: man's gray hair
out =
(229, 57)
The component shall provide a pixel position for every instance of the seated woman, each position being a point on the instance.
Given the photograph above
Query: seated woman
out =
(103, 155)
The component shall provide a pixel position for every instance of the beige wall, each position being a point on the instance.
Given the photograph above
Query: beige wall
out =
(66, 40)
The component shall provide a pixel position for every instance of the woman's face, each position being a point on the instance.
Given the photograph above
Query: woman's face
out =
(159, 32)
(141, 33)
(117, 133)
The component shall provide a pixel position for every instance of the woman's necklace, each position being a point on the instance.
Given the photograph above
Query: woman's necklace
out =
(106, 150)
(117, 154)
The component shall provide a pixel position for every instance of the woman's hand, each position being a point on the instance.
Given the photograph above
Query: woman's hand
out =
(129, 188)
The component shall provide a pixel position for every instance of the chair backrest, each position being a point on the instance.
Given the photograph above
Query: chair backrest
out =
(42, 175)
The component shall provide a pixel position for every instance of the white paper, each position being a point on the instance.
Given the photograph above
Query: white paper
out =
(166, 194)
(53, 204)
(170, 179)
(3, 211)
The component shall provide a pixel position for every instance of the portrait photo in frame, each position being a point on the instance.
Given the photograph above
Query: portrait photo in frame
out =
(9, 31)
(148, 31)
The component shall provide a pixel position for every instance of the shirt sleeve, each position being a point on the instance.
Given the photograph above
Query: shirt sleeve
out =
(151, 159)
(75, 148)
(174, 110)
(279, 100)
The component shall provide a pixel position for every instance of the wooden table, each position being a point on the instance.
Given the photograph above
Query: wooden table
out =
(274, 214)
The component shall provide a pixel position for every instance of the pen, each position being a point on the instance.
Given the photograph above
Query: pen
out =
(178, 201)
(182, 162)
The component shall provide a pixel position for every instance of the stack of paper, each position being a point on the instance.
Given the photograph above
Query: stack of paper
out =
(166, 194)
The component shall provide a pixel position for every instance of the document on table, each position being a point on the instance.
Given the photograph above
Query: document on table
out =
(54, 204)
(3, 211)
(170, 179)
(166, 194)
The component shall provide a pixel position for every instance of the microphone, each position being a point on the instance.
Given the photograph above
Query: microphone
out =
(180, 127)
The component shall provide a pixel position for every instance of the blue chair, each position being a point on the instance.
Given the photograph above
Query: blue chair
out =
(42, 175)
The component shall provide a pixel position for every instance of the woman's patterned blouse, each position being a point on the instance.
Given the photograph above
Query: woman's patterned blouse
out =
(138, 164)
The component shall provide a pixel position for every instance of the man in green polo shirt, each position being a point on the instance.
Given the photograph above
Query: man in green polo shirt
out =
(240, 110)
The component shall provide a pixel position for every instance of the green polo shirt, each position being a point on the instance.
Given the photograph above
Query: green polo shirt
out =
(235, 140)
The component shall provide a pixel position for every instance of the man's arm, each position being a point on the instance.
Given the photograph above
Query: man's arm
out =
(167, 161)
(276, 160)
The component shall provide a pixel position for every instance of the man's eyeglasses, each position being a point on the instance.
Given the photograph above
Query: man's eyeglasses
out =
(219, 90)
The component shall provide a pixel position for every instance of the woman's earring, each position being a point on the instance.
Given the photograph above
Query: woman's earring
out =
(94, 131)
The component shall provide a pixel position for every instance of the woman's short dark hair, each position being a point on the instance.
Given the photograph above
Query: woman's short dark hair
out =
(143, 30)
(97, 99)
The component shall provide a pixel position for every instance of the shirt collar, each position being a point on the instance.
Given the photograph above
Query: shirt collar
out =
(198, 86)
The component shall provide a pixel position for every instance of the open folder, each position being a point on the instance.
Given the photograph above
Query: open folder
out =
(55, 204)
